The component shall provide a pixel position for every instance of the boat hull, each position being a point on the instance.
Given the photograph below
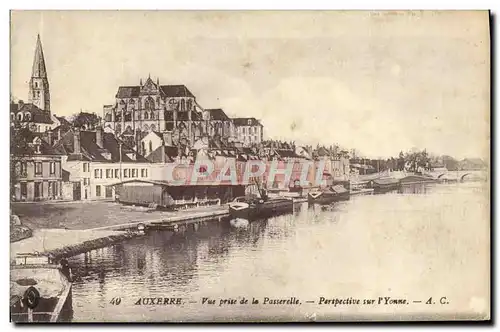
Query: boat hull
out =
(327, 198)
(259, 210)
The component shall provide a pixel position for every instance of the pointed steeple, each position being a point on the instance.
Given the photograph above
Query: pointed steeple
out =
(39, 91)
(39, 70)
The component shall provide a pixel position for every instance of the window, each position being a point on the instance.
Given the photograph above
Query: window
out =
(98, 191)
(189, 104)
(52, 168)
(146, 115)
(143, 147)
(244, 130)
(150, 146)
(38, 128)
(117, 173)
(142, 173)
(24, 189)
(12, 116)
(36, 84)
(23, 168)
(149, 104)
(85, 167)
(109, 173)
(134, 172)
(85, 181)
(183, 105)
(98, 173)
(125, 173)
(20, 116)
(38, 168)
(38, 94)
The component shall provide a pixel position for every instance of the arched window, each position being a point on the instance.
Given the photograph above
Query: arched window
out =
(36, 84)
(149, 104)
(20, 116)
(150, 146)
(128, 116)
(143, 147)
(131, 103)
(146, 115)
(190, 104)
(27, 116)
(153, 127)
(183, 105)
(152, 116)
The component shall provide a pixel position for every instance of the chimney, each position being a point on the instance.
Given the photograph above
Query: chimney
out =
(76, 140)
(20, 104)
(49, 137)
(99, 136)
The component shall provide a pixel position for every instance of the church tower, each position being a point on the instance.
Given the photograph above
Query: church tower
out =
(39, 93)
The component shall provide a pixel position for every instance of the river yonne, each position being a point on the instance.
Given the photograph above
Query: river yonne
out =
(425, 248)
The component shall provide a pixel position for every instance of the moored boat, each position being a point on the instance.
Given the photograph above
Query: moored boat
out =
(385, 184)
(328, 195)
(40, 291)
(250, 209)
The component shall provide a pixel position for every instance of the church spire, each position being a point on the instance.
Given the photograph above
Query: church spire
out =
(39, 92)
(39, 70)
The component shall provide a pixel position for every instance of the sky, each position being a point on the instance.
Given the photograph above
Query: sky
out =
(377, 82)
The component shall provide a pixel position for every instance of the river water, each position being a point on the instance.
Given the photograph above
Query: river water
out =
(427, 241)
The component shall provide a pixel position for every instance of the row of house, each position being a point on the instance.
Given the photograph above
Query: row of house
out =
(86, 165)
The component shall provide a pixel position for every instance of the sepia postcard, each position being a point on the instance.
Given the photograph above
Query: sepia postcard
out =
(249, 166)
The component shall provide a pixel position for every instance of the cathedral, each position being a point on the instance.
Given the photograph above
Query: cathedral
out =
(169, 109)
(35, 114)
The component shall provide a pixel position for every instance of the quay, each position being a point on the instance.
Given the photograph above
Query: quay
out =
(53, 240)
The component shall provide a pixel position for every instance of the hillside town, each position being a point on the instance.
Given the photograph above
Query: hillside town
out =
(149, 126)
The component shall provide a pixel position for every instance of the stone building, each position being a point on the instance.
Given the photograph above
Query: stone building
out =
(95, 160)
(36, 172)
(248, 131)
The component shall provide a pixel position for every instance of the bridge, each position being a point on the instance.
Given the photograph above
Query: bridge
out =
(459, 175)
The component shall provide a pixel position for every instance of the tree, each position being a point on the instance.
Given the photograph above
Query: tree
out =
(85, 120)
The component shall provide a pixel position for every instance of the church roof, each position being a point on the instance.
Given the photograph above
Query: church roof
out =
(217, 114)
(168, 91)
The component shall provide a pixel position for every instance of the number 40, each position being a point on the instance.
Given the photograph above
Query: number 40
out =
(116, 300)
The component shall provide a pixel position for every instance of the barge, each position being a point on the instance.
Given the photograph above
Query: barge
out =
(255, 208)
(384, 185)
(329, 195)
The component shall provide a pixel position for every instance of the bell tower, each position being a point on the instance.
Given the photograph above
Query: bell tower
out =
(39, 93)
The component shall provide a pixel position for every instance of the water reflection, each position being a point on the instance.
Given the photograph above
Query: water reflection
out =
(283, 255)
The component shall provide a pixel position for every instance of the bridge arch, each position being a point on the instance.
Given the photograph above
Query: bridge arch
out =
(463, 176)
